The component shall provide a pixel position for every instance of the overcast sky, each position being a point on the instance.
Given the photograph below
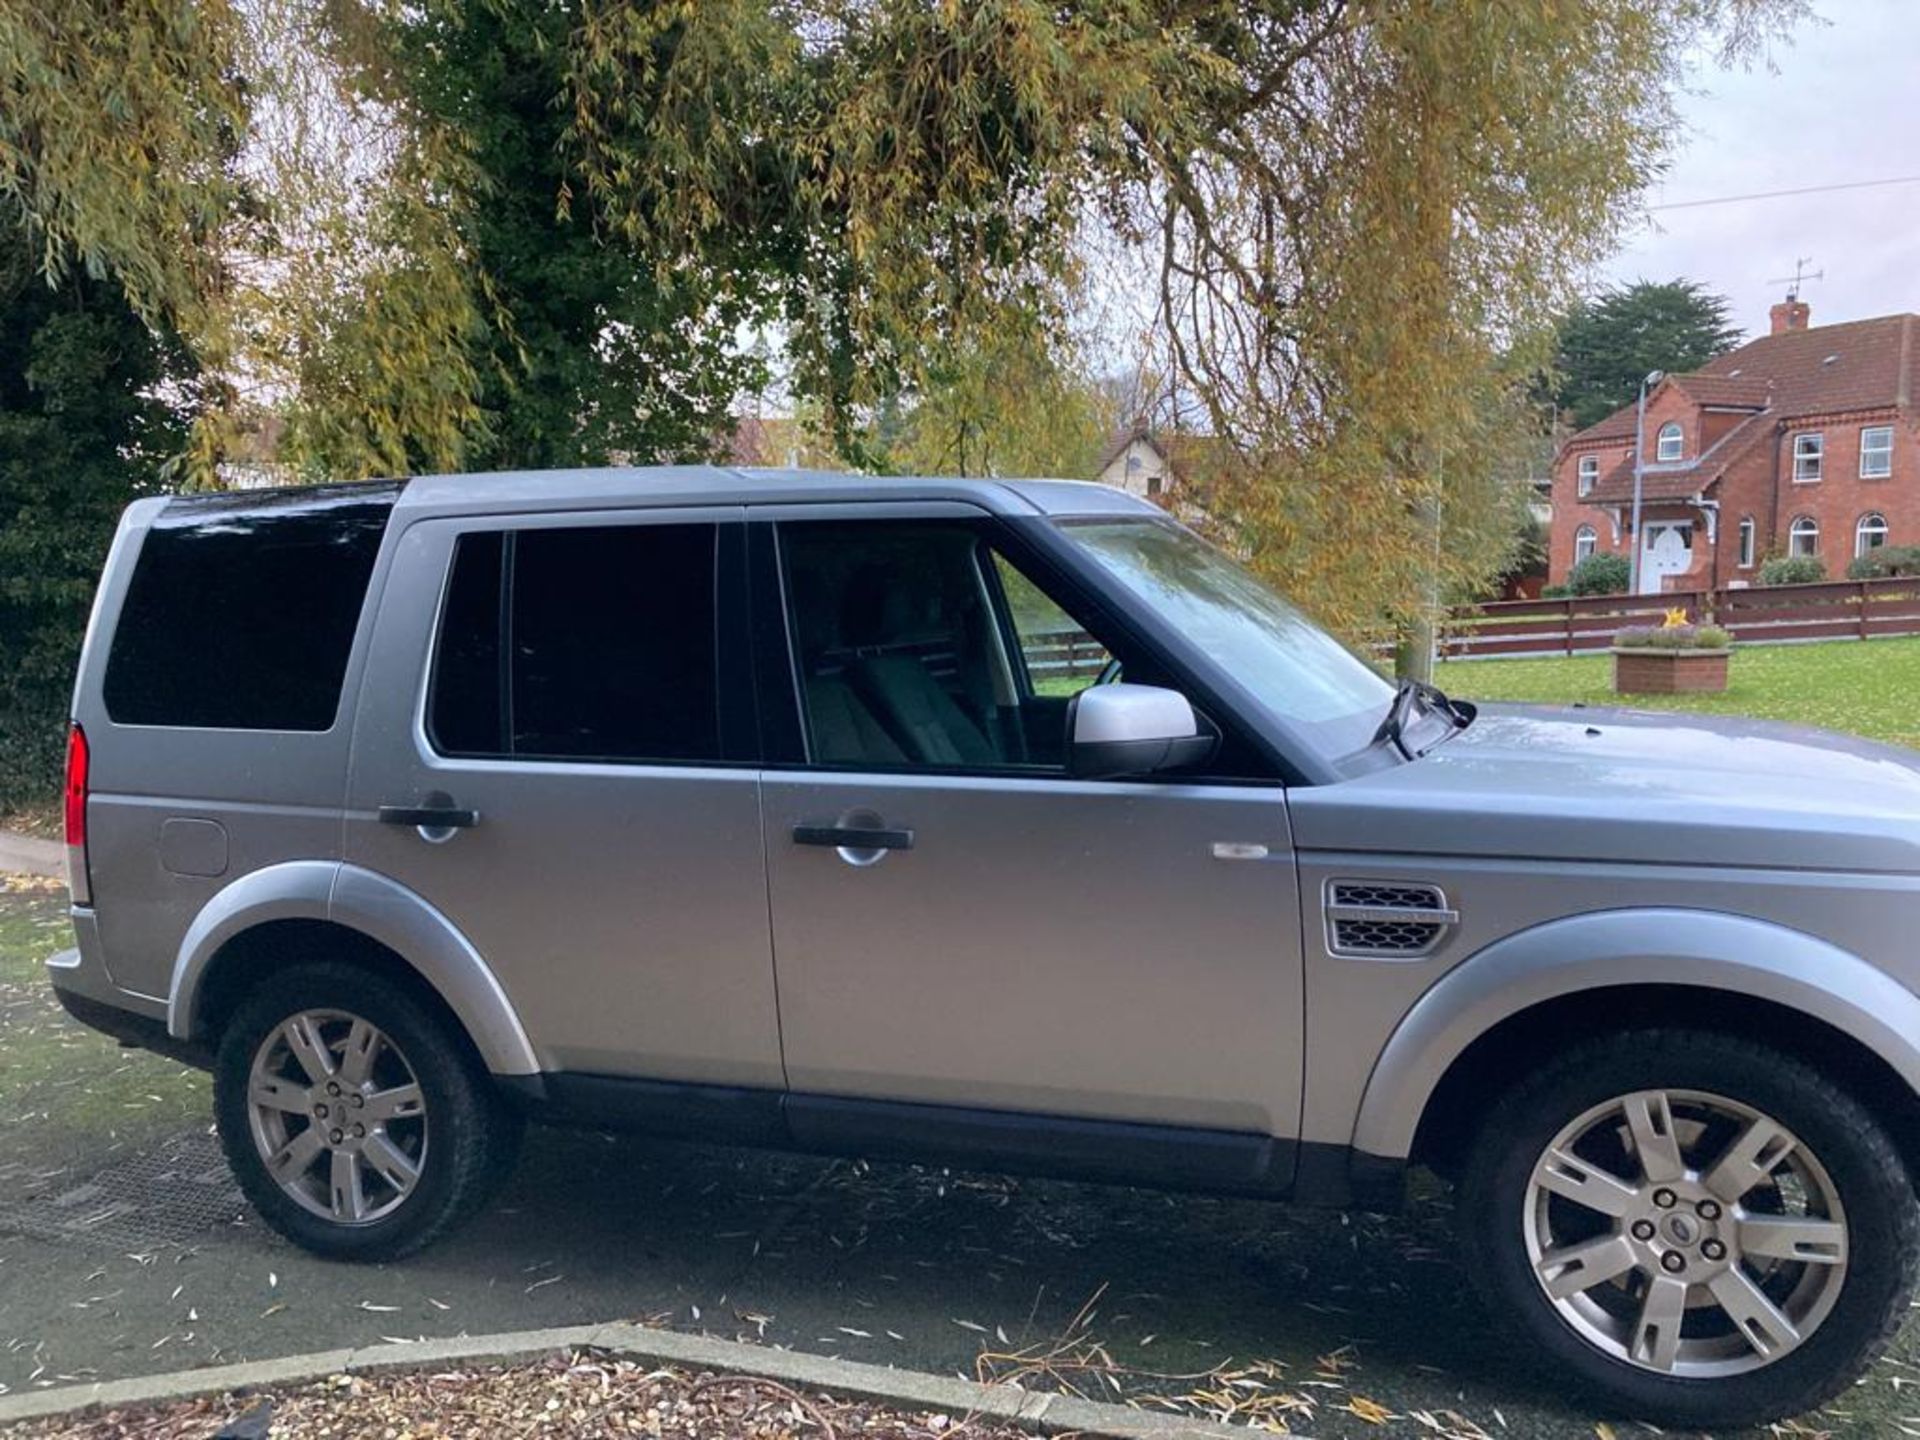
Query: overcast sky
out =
(1837, 107)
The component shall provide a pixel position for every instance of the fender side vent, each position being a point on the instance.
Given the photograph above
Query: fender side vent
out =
(1372, 920)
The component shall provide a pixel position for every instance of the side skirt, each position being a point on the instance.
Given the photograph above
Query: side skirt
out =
(1163, 1157)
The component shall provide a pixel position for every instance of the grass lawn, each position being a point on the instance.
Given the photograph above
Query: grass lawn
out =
(68, 1097)
(1868, 687)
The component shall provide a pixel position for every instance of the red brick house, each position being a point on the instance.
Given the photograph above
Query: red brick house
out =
(1805, 441)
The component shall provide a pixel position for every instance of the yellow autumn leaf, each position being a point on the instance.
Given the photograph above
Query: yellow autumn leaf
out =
(1371, 1411)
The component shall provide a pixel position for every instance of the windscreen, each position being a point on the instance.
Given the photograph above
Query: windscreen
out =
(1300, 674)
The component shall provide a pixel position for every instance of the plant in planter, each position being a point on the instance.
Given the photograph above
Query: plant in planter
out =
(1674, 658)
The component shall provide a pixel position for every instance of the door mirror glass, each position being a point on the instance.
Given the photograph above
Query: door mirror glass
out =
(1123, 729)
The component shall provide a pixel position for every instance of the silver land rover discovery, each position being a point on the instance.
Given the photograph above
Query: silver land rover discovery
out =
(992, 823)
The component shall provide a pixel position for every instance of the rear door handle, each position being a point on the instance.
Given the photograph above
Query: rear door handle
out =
(854, 837)
(430, 817)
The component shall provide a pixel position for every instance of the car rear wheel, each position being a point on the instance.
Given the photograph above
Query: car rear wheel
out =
(354, 1117)
(1704, 1230)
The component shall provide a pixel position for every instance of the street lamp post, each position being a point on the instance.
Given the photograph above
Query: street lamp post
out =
(1647, 382)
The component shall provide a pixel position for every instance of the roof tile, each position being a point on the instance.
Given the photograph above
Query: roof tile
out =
(1861, 365)
(1725, 390)
(1829, 369)
(1616, 486)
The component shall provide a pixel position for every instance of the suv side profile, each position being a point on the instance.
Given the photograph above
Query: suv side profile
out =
(992, 823)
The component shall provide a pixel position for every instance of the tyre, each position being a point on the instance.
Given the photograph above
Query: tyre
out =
(355, 1118)
(1701, 1230)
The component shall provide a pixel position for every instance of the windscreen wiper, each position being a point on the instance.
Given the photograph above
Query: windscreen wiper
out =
(1411, 692)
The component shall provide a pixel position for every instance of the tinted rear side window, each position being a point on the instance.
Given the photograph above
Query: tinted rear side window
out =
(241, 617)
(609, 638)
(466, 713)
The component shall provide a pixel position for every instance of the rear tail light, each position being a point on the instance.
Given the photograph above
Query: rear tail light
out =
(76, 815)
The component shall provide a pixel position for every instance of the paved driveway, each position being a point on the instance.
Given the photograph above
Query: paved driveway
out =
(29, 855)
(124, 1249)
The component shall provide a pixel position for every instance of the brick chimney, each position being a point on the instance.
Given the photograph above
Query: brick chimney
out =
(1792, 313)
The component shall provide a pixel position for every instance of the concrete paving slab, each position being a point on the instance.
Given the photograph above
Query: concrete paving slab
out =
(904, 1389)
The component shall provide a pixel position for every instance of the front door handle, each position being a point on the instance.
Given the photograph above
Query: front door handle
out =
(854, 837)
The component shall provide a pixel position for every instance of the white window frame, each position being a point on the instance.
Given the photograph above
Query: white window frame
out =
(1747, 534)
(1670, 431)
(1586, 541)
(1809, 456)
(1882, 445)
(1807, 528)
(1871, 523)
(1588, 475)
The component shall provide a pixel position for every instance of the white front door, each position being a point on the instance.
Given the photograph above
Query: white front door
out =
(1665, 549)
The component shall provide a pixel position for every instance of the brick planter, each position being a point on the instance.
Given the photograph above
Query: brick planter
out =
(1649, 670)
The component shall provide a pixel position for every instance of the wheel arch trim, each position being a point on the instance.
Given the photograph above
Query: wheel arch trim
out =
(1620, 948)
(371, 905)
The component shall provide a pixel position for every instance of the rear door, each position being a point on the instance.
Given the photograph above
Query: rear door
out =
(580, 683)
(1005, 938)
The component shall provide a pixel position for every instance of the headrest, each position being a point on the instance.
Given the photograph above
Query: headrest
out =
(882, 607)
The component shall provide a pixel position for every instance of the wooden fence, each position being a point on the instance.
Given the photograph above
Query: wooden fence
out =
(1759, 614)
(1064, 654)
(1583, 625)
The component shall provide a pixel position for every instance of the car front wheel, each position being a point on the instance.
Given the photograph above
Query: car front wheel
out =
(353, 1116)
(1704, 1230)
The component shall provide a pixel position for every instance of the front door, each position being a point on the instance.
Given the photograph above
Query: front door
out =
(1666, 550)
(959, 923)
(571, 679)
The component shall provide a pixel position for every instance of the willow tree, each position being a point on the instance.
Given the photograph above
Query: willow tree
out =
(1349, 215)
(1352, 214)
(1015, 405)
(119, 134)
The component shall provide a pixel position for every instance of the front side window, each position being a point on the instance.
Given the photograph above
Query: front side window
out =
(604, 650)
(1747, 530)
(1668, 446)
(920, 645)
(1585, 542)
(1869, 534)
(1060, 658)
(1299, 674)
(1876, 452)
(1804, 536)
(241, 615)
(1808, 450)
(1589, 473)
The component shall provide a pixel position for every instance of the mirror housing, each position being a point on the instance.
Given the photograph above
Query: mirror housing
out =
(1122, 729)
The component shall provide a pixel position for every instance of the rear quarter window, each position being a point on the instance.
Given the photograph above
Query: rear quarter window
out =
(240, 614)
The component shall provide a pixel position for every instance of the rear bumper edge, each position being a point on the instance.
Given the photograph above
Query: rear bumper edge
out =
(141, 1031)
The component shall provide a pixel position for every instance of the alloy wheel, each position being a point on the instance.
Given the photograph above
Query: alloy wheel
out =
(1685, 1233)
(337, 1114)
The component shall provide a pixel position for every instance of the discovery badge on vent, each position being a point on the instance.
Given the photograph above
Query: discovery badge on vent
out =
(1377, 920)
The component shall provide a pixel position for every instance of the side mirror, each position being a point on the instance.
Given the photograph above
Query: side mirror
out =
(1123, 729)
